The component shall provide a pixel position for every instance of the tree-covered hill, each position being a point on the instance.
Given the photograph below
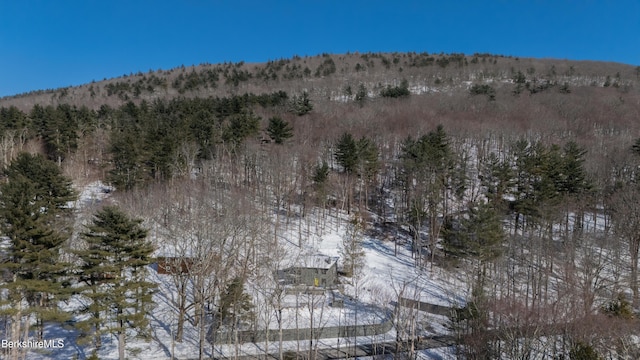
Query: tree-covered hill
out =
(521, 173)
(336, 76)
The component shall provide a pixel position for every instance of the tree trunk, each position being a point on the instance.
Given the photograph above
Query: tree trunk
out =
(98, 339)
(15, 333)
(181, 315)
(121, 340)
(634, 247)
(279, 318)
(201, 334)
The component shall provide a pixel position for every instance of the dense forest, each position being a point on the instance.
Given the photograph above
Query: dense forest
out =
(517, 175)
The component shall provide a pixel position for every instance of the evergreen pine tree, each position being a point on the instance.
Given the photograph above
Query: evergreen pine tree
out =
(241, 125)
(113, 273)
(33, 211)
(496, 177)
(351, 248)
(279, 130)
(367, 165)
(427, 165)
(235, 304)
(361, 94)
(367, 158)
(575, 179)
(477, 235)
(582, 351)
(346, 153)
(301, 105)
(528, 174)
(321, 173)
(319, 178)
(58, 128)
(129, 160)
(12, 118)
(551, 176)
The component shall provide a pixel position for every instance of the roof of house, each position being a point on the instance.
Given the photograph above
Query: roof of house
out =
(316, 261)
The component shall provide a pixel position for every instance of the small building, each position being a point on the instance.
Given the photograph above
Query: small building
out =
(313, 270)
(174, 265)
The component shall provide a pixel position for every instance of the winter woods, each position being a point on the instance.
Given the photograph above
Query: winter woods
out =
(528, 198)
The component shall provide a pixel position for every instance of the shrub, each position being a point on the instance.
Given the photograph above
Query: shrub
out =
(483, 89)
(396, 91)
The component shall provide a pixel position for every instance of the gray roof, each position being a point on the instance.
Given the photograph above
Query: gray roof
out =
(316, 261)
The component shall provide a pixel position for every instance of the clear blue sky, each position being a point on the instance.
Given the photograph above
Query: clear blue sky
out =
(55, 43)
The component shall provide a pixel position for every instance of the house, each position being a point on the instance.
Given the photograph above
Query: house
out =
(313, 270)
(174, 265)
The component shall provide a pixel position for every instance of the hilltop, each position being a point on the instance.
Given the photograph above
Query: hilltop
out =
(525, 89)
(327, 76)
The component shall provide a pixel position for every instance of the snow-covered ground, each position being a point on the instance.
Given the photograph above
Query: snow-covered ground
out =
(92, 194)
(369, 300)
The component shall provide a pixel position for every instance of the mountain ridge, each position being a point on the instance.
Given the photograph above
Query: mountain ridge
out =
(325, 73)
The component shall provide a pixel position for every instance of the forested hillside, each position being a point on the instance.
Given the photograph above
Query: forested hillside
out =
(518, 176)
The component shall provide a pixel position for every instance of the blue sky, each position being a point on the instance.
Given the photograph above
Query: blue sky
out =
(54, 43)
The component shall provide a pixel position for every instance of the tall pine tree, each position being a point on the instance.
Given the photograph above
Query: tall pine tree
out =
(427, 165)
(33, 214)
(279, 130)
(367, 167)
(351, 251)
(113, 272)
(347, 153)
(235, 305)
